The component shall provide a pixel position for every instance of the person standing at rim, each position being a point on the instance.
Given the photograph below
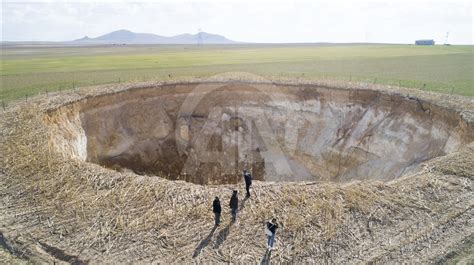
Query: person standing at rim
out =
(271, 232)
(248, 181)
(234, 205)
(216, 208)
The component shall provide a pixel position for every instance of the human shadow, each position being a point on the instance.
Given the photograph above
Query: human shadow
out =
(242, 204)
(222, 236)
(204, 242)
(266, 258)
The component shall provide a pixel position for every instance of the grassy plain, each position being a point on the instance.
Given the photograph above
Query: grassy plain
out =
(31, 70)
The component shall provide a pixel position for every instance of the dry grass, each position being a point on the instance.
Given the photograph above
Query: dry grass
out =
(76, 211)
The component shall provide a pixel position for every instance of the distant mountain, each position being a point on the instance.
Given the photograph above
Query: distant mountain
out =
(129, 37)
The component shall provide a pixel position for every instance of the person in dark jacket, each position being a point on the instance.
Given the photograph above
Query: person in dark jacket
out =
(216, 208)
(234, 205)
(272, 226)
(248, 182)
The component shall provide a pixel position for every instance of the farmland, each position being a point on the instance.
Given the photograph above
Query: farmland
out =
(121, 173)
(37, 69)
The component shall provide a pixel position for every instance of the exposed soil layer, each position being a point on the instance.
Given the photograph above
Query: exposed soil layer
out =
(207, 133)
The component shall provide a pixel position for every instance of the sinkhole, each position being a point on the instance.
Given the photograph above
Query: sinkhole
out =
(207, 133)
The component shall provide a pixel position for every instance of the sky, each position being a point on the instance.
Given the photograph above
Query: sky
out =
(277, 21)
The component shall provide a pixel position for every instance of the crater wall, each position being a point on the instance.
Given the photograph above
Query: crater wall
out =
(208, 133)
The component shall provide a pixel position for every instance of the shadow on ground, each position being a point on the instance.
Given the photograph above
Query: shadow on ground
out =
(204, 242)
(266, 258)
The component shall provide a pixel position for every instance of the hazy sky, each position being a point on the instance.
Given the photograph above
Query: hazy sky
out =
(249, 21)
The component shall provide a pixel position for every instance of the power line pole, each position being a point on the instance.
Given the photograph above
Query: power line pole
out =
(446, 39)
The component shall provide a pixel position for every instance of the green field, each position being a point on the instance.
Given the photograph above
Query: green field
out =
(31, 70)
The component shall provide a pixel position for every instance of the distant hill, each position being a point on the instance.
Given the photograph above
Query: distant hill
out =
(129, 37)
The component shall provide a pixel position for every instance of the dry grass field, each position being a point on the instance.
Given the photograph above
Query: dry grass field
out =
(55, 207)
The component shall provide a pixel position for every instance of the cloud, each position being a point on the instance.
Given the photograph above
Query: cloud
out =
(264, 21)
